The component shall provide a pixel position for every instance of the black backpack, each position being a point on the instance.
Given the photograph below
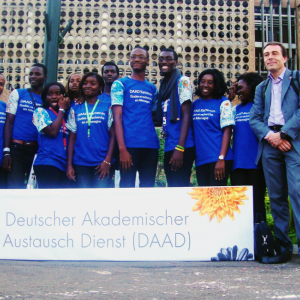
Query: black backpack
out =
(295, 83)
(265, 246)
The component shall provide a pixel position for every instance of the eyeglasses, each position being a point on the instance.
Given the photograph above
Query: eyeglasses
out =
(141, 57)
(167, 59)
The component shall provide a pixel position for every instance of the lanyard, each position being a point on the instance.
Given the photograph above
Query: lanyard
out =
(164, 123)
(32, 98)
(64, 128)
(89, 116)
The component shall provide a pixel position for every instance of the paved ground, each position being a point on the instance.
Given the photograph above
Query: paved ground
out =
(149, 280)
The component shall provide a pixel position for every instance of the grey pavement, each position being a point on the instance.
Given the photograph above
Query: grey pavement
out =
(148, 280)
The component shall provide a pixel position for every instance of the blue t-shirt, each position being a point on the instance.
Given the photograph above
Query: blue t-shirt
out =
(245, 143)
(73, 103)
(139, 99)
(90, 151)
(105, 98)
(209, 118)
(2, 121)
(184, 93)
(20, 105)
(52, 151)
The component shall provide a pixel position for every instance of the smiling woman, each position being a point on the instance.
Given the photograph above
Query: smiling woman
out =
(245, 143)
(92, 141)
(50, 163)
(213, 121)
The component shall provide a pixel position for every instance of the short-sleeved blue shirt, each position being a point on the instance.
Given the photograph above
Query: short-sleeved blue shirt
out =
(184, 93)
(90, 151)
(52, 151)
(20, 105)
(139, 99)
(209, 118)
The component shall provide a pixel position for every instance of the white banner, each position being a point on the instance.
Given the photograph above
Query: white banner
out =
(186, 224)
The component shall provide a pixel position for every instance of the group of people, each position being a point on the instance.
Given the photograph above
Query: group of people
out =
(96, 124)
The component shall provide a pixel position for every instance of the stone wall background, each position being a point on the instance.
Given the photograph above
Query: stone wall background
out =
(205, 34)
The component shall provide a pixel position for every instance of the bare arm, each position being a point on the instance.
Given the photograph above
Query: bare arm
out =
(8, 129)
(7, 135)
(111, 145)
(233, 91)
(103, 167)
(70, 154)
(220, 165)
(125, 157)
(177, 156)
(54, 128)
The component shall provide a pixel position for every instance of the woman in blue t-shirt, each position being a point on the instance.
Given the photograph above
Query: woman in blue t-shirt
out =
(50, 163)
(92, 140)
(212, 122)
(245, 143)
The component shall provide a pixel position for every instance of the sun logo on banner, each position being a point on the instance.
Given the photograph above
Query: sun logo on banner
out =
(218, 202)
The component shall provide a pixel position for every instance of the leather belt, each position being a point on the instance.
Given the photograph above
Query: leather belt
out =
(33, 143)
(276, 127)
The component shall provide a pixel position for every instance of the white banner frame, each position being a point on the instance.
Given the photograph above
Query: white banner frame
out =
(145, 224)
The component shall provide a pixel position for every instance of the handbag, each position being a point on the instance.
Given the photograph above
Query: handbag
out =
(265, 247)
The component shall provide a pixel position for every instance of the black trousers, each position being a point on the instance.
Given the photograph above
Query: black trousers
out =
(50, 177)
(256, 178)
(145, 162)
(22, 158)
(182, 176)
(3, 178)
(206, 174)
(86, 177)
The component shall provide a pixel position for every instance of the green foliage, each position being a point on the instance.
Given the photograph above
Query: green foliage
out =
(160, 179)
(193, 181)
(270, 220)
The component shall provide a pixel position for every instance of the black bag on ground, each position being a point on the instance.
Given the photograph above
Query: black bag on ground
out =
(265, 246)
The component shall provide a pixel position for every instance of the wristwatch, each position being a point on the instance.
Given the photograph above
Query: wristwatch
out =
(284, 136)
(62, 110)
(221, 157)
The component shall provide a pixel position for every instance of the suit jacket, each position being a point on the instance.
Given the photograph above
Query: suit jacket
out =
(290, 107)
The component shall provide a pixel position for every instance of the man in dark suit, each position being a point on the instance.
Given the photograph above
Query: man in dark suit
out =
(275, 120)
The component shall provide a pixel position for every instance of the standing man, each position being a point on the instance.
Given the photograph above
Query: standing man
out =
(133, 100)
(174, 109)
(275, 120)
(20, 135)
(110, 73)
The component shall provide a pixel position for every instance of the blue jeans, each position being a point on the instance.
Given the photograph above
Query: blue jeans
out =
(86, 177)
